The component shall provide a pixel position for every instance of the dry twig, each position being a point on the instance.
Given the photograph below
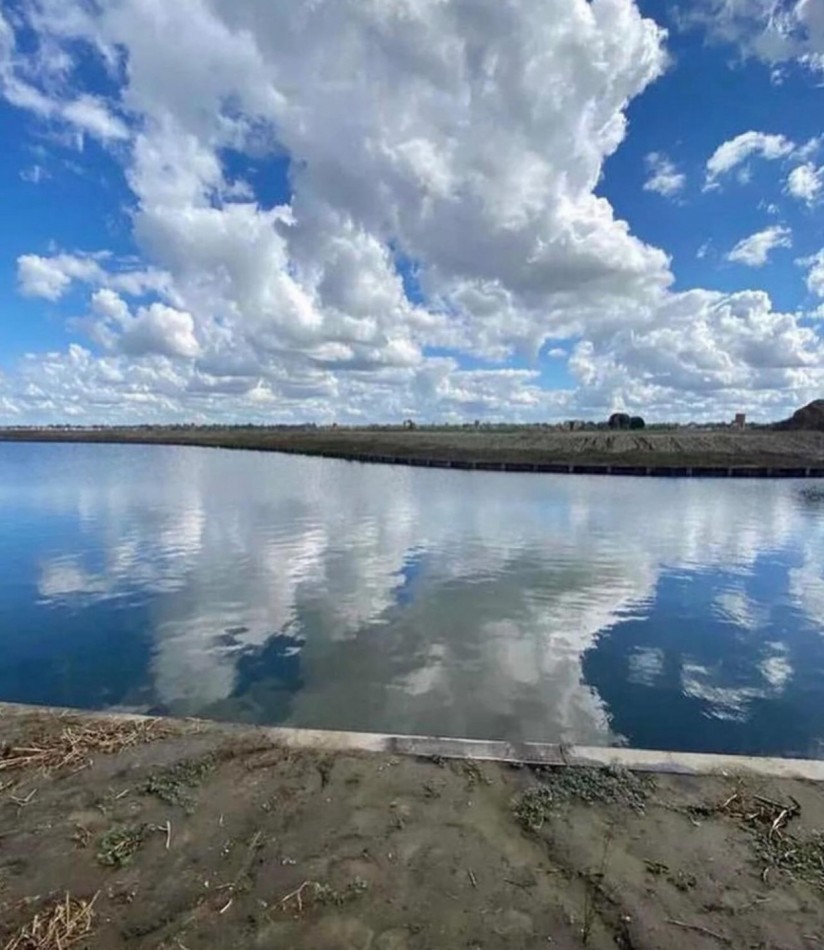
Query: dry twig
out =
(699, 929)
(295, 895)
(21, 802)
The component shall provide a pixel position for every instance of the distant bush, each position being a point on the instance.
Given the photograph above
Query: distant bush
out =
(619, 420)
(636, 422)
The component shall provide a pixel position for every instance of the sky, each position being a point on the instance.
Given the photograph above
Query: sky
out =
(445, 210)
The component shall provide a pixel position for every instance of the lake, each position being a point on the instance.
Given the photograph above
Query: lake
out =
(675, 614)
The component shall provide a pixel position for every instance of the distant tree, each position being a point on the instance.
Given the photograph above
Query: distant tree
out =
(636, 422)
(619, 420)
(409, 424)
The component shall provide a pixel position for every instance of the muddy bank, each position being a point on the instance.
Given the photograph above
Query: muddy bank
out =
(756, 452)
(188, 835)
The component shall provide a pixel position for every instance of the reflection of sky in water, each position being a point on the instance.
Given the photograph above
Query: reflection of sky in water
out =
(674, 613)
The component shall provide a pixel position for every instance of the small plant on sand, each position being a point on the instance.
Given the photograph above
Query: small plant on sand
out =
(473, 773)
(610, 786)
(314, 892)
(533, 807)
(802, 858)
(614, 786)
(173, 785)
(119, 844)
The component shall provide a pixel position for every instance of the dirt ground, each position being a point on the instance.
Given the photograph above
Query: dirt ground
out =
(196, 836)
(518, 444)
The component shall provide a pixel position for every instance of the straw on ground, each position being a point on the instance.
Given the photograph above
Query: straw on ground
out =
(74, 745)
(60, 925)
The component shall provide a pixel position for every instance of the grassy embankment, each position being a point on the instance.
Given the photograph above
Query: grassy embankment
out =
(517, 445)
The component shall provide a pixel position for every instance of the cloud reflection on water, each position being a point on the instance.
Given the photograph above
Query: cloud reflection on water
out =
(330, 594)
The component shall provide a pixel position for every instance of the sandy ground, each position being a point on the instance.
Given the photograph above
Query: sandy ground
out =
(201, 836)
(519, 444)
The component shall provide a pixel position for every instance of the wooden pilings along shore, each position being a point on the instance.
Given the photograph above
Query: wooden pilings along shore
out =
(572, 468)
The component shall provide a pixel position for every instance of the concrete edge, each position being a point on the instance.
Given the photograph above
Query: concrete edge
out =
(526, 753)
(541, 753)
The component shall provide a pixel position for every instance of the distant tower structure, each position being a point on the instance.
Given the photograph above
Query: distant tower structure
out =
(740, 420)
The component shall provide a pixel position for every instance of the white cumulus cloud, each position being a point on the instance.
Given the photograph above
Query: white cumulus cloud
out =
(24, 85)
(664, 178)
(754, 251)
(50, 277)
(774, 31)
(162, 330)
(91, 115)
(815, 272)
(735, 151)
(805, 182)
(454, 145)
(156, 329)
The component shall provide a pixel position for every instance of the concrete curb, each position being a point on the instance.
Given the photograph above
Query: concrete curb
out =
(540, 753)
(526, 753)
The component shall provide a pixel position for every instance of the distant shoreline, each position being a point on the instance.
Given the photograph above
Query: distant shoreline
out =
(748, 453)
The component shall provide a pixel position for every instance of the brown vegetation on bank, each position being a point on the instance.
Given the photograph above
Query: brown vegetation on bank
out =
(809, 418)
(512, 445)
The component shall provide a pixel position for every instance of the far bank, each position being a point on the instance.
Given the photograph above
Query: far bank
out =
(757, 452)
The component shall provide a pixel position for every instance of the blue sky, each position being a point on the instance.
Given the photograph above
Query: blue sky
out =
(362, 215)
(708, 96)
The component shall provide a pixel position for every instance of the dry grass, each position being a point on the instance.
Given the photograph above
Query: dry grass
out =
(759, 811)
(800, 855)
(73, 746)
(62, 924)
(679, 447)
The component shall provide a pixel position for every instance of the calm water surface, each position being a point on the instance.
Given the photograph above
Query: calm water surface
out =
(681, 614)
